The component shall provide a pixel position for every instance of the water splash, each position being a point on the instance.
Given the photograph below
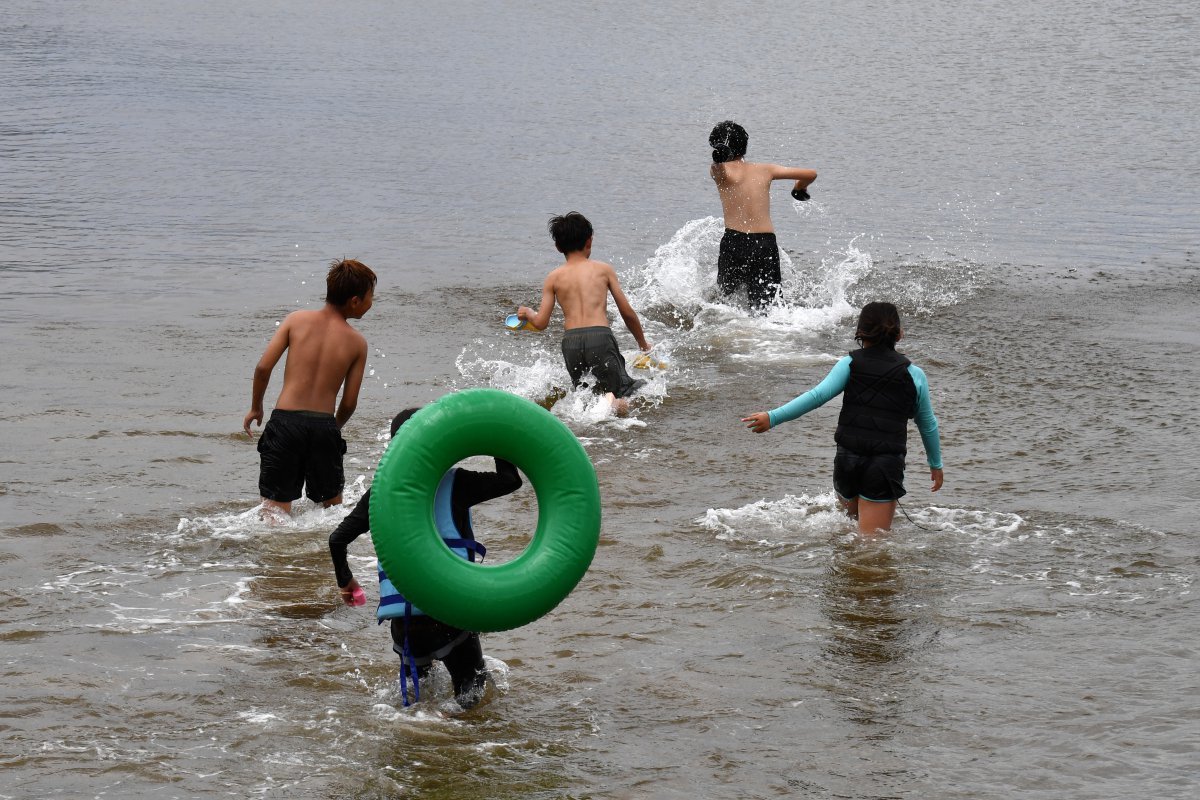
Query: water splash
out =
(529, 366)
(253, 522)
(686, 317)
(677, 287)
(818, 290)
(775, 523)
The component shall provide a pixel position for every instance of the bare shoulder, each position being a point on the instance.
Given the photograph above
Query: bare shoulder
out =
(301, 317)
(351, 334)
(334, 325)
(605, 269)
(351, 344)
(555, 276)
(362, 344)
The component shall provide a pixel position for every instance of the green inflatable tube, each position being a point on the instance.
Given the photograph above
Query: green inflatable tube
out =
(472, 596)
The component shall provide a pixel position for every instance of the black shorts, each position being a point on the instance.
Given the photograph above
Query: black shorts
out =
(878, 478)
(750, 260)
(430, 640)
(301, 450)
(594, 351)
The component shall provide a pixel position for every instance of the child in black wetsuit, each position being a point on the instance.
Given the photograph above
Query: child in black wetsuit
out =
(417, 638)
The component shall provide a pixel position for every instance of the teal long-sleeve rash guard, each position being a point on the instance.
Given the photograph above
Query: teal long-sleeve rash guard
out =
(835, 383)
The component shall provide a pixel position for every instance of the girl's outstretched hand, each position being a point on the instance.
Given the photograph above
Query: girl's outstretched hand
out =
(759, 423)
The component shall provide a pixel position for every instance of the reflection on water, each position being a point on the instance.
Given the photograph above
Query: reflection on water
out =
(869, 635)
(861, 590)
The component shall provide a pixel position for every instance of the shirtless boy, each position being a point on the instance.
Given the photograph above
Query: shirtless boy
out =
(749, 254)
(582, 286)
(302, 445)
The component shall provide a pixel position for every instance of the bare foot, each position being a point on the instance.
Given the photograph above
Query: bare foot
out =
(274, 513)
(620, 405)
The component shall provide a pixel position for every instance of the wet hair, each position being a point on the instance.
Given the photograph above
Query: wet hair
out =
(570, 232)
(878, 323)
(728, 141)
(402, 418)
(347, 278)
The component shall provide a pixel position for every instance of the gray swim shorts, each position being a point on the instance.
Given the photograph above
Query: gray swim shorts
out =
(593, 351)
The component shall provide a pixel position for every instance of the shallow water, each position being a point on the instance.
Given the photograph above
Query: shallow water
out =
(1019, 181)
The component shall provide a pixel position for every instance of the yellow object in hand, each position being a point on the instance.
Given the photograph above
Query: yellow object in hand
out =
(644, 361)
(515, 323)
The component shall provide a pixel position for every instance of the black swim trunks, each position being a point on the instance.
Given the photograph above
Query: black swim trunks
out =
(594, 351)
(301, 449)
(878, 478)
(750, 260)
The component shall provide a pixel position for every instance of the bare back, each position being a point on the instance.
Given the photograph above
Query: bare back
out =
(581, 288)
(323, 352)
(745, 189)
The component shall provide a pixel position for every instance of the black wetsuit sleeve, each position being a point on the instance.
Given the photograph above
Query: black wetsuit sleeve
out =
(472, 488)
(356, 523)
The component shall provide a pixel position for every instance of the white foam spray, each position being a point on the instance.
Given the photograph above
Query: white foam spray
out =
(686, 318)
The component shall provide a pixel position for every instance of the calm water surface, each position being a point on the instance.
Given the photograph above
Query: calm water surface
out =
(1020, 179)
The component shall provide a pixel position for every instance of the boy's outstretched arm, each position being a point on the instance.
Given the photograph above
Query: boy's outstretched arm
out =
(626, 310)
(802, 177)
(262, 373)
(541, 318)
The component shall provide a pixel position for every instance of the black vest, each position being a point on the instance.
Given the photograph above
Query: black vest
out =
(879, 400)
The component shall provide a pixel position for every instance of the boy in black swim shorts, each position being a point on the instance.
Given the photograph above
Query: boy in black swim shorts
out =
(301, 447)
(749, 253)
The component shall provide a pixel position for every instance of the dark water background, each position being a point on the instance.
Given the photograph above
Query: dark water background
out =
(1020, 178)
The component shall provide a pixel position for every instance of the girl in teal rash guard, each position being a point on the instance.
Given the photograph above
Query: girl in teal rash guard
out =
(883, 390)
